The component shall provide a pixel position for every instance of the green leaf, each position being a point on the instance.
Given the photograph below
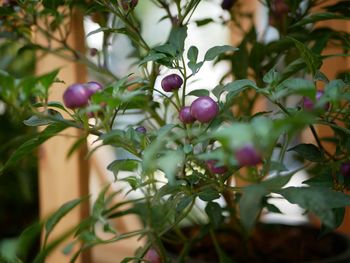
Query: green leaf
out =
(123, 165)
(209, 194)
(76, 145)
(184, 202)
(151, 153)
(106, 30)
(195, 67)
(214, 212)
(277, 182)
(203, 22)
(309, 152)
(53, 104)
(319, 76)
(319, 17)
(99, 205)
(236, 135)
(322, 179)
(311, 59)
(170, 163)
(277, 166)
(240, 85)
(27, 240)
(250, 204)
(296, 86)
(213, 52)
(166, 49)
(334, 91)
(56, 217)
(48, 79)
(218, 90)
(53, 4)
(152, 56)
(272, 77)
(38, 139)
(318, 200)
(199, 92)
(68, 248)
(292, 69)
(8, 247)
(177, 39)
(192, 54)
(338, 215)
(37, 120)
(273, 209)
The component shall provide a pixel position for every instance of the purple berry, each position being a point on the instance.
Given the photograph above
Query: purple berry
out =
(248, 156)
(92, 87)
(93, 52)
(345, 168)
(129, 4)
(279, 10)
(227, 4)
(185, 115)
(279, 7)
(171, 82)
(211, 164)
(141, 129)
(204, 109)
(152, 256)
(75, 96)
(309, 104)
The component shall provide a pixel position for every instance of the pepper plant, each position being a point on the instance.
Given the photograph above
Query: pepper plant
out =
(203, 145)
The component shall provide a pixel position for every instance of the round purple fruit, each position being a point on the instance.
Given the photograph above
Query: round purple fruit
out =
(152, 256)
(204, 109)
(227, 4)
(278, 12)
(185, 115)
(345, 169)
(75, 96)
(171, 82)
(211, 164)
(141, 129)
(248, 156)
(92, 87)
(310, 104)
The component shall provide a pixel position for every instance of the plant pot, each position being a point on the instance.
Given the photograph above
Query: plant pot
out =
(270, 243)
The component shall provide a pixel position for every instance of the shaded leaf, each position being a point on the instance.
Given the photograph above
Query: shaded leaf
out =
(177, 39)
(199, 92)
(38, 139)
(319, 200)
(319, 17)
(123, 165)
(250, 204)
(214, 213)
(209, 194)
(312, 60)
(309, 152)
(170, 163)
(213, 52)
(56, 217)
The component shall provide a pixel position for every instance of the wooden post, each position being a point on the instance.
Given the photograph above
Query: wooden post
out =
(62, 179)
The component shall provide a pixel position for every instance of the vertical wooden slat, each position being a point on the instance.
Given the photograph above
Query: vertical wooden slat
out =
(62, 179)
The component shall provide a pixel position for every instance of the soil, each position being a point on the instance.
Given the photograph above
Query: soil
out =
(268, 244)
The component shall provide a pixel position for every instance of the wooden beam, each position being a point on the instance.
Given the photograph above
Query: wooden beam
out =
(62, 179)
